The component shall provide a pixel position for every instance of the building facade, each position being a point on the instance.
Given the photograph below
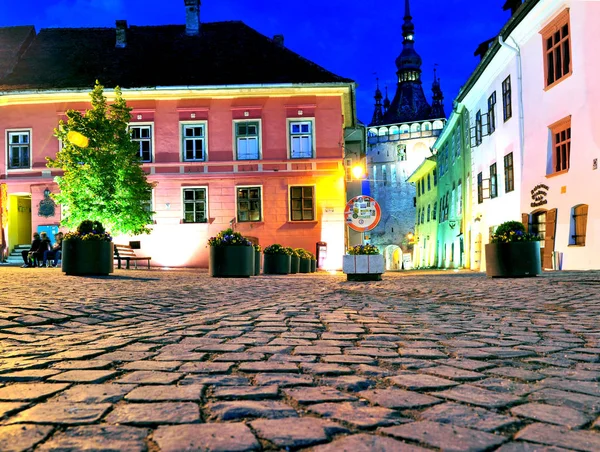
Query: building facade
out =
(531, 100)
(399, 139)
(453, 191)
(245, 137)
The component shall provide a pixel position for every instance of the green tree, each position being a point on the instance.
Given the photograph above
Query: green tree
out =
(103, 179)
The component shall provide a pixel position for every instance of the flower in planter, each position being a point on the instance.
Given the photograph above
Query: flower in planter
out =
(293, 252)
(228, 237)
(302, 253)
(513, 231)
(257, 248)
(89, 230)
(277, 249)
(363, 249)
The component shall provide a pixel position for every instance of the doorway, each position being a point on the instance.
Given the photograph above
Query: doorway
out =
(19, 220)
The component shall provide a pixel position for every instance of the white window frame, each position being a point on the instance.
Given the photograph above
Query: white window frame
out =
(152, 209)
(145, 124)
(235, 141)
(262, 197)
(314, 187)
(182, 138)
(205, 187)
(27, 131)
(311, 121)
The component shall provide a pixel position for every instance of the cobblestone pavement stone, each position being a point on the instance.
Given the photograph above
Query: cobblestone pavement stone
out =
(157, 360)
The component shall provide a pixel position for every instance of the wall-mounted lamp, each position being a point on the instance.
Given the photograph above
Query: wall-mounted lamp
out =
(358, 171)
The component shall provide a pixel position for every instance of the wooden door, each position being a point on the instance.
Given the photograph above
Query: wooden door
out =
(549, 239)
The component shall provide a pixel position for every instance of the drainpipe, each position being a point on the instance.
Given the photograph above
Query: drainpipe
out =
(516, 49)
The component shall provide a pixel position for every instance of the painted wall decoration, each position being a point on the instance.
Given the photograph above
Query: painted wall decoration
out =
(47, 206)
(538, 195)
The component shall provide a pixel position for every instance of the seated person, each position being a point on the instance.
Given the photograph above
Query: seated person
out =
(28, 254)
(45, 244)
(55, 252)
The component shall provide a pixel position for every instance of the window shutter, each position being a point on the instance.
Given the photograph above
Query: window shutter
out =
(549, 242)
(525, 221)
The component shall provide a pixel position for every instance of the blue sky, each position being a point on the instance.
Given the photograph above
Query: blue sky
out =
(358, 40)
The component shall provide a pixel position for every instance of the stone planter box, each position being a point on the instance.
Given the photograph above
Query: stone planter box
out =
(277, 264)
(363, 267)
(231, 261)
(87, 257)
(295, 266)
(313, 265)
(256, 263)
(513, 260)
(304, 266)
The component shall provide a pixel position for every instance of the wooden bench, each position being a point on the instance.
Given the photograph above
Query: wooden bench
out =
(126, 253)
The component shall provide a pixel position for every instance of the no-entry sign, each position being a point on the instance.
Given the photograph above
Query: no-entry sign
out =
(362, 213)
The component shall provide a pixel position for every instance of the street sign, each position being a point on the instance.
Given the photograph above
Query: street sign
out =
(362, 213)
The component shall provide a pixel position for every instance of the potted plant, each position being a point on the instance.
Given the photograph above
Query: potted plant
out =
(88, 250)
(295, 262)
(277, 260)
(363, 263)
(313, 262)
(304, 260)
(513, 252)
(231, 255)
(257, 250)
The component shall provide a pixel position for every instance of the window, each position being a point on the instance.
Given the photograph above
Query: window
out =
(428, 212)
(423, 215)
(561, 145)
(423, 185)
(394, 175)
(578, 225)
(557, 49)
(493, 181)
(249, 202)
(247, 140)
(434, 211)
(435, 178)
(509, 175)
(301, 139)
(479, 188)
(401, 150)
(384, 174)
(418, 215)
(302, 203)
(195, 205)
(492, 113)
(418, 188)
(19, 149)
(148, 205)
(478, 128)
(428, 182)
(506, 99)
(143, 136)
(460, 198)
(194, 144)
(456, 143)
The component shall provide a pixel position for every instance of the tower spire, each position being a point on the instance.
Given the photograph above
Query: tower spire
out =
(437, 106)
(386, 102)
(408, 28)
(378, 113)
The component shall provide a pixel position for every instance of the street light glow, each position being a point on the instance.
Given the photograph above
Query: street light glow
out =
(358, 171)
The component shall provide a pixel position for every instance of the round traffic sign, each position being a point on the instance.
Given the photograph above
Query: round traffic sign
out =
(362, 213)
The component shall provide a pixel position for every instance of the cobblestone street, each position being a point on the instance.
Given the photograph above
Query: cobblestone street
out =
(177, 361)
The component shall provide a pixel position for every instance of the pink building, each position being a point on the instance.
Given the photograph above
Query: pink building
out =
(234, 129)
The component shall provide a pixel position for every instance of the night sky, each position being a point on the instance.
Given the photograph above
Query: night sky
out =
(358, 40)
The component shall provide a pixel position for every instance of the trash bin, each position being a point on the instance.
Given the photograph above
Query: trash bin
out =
(321, 254)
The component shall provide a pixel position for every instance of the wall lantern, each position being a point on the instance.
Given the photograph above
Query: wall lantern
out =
(358, 171)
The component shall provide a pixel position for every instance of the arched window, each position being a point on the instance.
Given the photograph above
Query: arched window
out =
(383, 131)
(426, 126)
(404, 128)
(372, 132)
(438, 125)
(394, 130)
(415, 127)
(578, 225)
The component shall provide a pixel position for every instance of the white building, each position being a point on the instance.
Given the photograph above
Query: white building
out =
(536, 83)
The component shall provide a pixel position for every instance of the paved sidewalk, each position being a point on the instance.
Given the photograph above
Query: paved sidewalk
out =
(175, 360)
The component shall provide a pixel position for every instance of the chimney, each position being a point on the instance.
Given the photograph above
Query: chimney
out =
(278, 39)
(121, 34)
(192, 17)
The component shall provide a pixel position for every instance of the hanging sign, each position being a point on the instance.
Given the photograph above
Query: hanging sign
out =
(362, 213)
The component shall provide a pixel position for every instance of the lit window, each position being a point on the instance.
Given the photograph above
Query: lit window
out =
(247, 140)
(301, 139)
(19, 150)
(249, 202)
(302, 203)
(493, 181)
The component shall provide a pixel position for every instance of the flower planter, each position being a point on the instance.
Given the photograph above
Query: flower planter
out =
(313, 265)
(513, 260)
(277, 264)
(256, 263)
(304, 266)
(295, 264)
(366, 267)
(87, 257)
(231, 261)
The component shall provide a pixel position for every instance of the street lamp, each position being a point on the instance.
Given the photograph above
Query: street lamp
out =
(358, 171)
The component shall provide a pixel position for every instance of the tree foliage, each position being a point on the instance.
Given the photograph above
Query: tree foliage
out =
(103, 179)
